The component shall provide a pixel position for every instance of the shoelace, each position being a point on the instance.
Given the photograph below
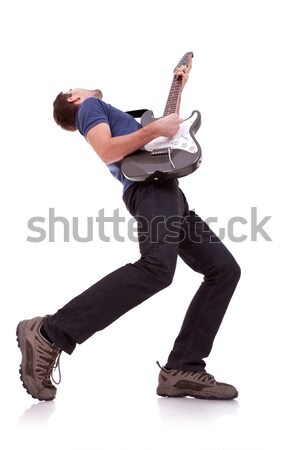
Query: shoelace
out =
(203, 376)
(48, 361)
(53, 366)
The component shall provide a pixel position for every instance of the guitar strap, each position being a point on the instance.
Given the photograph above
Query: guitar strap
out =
(136, 113)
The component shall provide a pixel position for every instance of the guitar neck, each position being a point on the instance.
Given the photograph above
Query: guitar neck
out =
(173, 98)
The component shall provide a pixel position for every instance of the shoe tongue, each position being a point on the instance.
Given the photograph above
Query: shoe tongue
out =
(44, 335)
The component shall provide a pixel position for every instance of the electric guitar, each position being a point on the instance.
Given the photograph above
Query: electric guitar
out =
(168, 158)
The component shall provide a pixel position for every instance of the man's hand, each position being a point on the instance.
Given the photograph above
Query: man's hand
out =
(182, 73)
(168, 126)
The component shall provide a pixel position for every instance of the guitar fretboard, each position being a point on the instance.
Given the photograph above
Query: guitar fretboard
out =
(171, 104)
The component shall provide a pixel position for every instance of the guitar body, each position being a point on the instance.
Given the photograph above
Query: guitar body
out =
(167, 158)
(175, 158)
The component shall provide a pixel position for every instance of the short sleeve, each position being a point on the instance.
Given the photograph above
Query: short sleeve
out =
(91, 112)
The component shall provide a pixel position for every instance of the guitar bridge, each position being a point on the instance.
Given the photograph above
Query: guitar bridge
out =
(161, 151)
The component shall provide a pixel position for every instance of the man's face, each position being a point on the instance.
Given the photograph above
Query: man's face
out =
(78, 95)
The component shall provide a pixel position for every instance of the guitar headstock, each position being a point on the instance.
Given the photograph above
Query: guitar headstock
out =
(184, 60)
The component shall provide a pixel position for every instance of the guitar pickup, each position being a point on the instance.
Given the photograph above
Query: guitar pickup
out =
(160, 151)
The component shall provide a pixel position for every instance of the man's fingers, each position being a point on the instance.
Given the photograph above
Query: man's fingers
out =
(182, 73)
(182, 69)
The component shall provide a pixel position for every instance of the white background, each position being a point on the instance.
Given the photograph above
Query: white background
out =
(245, 82)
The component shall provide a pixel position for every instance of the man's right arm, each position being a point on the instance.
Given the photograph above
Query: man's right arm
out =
(111, 149)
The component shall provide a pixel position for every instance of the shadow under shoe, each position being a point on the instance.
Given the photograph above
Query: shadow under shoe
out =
(39, 359)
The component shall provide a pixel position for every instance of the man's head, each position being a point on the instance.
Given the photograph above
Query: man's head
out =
(66, 104)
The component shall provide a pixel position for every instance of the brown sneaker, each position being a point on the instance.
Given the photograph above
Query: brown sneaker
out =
(39, 358)
(179, 383)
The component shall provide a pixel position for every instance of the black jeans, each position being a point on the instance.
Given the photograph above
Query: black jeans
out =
(166, 229)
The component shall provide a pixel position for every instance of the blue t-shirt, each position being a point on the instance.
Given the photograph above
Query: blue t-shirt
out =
(93, 111)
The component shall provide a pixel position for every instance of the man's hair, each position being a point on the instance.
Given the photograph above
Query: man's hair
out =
(64, 112)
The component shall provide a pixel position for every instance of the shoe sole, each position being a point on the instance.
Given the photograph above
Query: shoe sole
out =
(21, 344)
(177, 393)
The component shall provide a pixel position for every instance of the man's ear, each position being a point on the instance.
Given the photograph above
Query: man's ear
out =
(74, 99)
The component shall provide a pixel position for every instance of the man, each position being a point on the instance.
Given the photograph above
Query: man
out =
(114, 134)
